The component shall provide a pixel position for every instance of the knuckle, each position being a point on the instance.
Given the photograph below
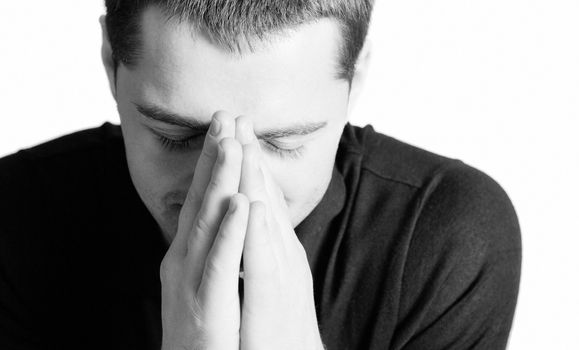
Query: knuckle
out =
(202, 226)
(214, 184)
(213, 268)
(207, 153)
(199, 235)
(197, 312)
(223, 237)
(193, 196)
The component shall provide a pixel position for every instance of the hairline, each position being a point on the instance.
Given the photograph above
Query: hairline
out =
(249, 40)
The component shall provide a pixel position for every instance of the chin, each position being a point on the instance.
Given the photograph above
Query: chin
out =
(300, 215)
(302, 211)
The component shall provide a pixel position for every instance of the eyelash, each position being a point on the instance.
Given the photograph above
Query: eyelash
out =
(175, 145)
(284, 152)
(180, 145)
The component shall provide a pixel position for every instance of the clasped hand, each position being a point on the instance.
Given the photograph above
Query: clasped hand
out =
(234, 210)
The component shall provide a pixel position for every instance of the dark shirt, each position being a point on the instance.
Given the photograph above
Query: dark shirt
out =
(408, 249)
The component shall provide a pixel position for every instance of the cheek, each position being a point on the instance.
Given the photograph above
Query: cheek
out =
(155, 171)
(305, 180)
(299, 181)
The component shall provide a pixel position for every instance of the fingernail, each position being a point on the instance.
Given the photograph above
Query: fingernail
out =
(215, 127)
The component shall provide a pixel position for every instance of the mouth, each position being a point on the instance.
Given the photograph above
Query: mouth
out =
(176, 204)
(174, 199)
(174, 207)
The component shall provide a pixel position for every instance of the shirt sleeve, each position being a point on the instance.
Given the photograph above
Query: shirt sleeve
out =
(461, 277)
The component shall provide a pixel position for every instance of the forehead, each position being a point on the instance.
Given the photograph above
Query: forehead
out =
(181, 69)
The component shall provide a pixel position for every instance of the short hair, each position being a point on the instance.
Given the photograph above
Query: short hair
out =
(231, 22)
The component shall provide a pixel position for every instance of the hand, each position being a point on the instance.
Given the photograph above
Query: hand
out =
(278, 309)
(200, 272)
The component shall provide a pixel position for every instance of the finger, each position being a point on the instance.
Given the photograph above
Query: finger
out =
(219, 285)
(244, 132)
(223, 184)
(276, 195)
(259, 261)
(222, 126)
(280, 211)
(252, 182)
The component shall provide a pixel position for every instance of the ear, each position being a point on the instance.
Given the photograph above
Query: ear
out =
(360, 74)
(107, 57)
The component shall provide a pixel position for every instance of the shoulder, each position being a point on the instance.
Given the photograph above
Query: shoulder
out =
(449, 234)
(389, 158)
(439, 190)
(463, 257)
(74, 145)
(52, 177)
(439, 207)
(42, 188)
(50, 191)
(58, 162)
(50, 200)
(56, 177)
(464, 205)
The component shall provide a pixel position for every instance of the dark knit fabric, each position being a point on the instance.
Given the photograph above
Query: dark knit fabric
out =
(408, 249)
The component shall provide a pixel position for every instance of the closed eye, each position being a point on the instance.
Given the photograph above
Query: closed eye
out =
(283, 152)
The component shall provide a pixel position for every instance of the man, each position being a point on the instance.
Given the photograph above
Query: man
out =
(235, 207)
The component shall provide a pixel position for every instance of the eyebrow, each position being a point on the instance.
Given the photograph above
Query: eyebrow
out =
(159, 114)
(167, 117)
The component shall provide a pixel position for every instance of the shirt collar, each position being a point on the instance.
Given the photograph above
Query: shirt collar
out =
(327, 209)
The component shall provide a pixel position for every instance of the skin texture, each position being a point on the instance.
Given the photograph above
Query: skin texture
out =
(289, 82)
(201, 308)
(229, 193)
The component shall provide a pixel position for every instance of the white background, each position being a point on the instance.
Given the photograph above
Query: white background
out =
(494, 83)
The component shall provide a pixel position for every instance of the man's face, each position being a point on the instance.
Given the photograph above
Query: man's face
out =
(289, 85)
